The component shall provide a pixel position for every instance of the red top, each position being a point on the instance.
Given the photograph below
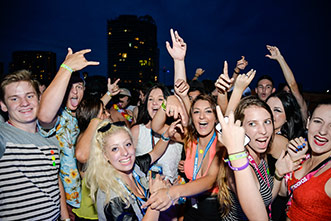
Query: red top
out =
(310, 201)
(189, 161)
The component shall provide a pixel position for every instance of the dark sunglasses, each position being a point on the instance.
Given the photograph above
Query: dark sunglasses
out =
(108, 126)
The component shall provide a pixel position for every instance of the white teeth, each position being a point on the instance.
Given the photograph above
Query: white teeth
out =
(320, 139)
(125, 161)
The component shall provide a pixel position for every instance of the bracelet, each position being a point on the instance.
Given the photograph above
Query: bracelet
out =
(237, 72)
(67, 219)
(172, 201)
(164, 106)
(277, 177)
(237, 152)
(108, 93)
(237, 156)
(166, 139)
(238, 168)
(66, 67)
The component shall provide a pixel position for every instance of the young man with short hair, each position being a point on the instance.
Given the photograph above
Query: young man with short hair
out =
(264, 87)
(29, 163)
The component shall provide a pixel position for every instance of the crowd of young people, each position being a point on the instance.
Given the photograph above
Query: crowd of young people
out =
(67, 156)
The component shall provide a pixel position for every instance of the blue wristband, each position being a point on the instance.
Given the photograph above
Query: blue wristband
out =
(164, 138)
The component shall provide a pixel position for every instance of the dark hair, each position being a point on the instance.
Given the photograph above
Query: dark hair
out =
(192, 134)
(143, 115)
(294, 126)
(323, 102)
(76, 77)
(87, 110)
(196, 85)
(267, 77)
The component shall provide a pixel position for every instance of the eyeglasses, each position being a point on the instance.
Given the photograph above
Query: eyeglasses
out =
(108, 126)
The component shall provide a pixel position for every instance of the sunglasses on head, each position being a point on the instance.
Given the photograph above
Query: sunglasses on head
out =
(108, 126)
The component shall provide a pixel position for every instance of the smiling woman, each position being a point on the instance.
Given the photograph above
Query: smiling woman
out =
(117, 178)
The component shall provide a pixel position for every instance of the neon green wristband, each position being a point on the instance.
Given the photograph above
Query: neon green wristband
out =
(164, 106)
(67, 67)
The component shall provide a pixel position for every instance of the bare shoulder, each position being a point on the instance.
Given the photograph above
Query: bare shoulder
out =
(279, 143)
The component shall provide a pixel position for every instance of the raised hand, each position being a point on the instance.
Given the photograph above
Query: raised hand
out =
(178, 49)
(285, 164)
(297, 148)
(76, 61)
(224, 83)
(181, 88)
(242, 63)
(113, 87)
(243, 80)
(232, 133)
(274, 52)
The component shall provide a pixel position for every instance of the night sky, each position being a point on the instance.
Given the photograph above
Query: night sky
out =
(215, 31)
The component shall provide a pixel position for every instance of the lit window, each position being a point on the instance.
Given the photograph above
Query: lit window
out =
(137, 39)
(123, 59)
(155, 78)
(40, 56)
(124, 55)
(120, 59)
(109, 33)
(115, 65)
(130, 44)
(136, 47)
(119, 53)
(149, 59)
(115, 70)
(139, 81)
(23, 62)
(125, 30)
(141, 42)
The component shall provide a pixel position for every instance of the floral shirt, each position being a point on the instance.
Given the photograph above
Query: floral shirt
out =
(67, 132)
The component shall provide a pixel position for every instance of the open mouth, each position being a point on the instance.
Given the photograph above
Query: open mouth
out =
(26, 111)
(320, 141)
(74, 101)
(262, 142)
(203, 125)
(125, 161)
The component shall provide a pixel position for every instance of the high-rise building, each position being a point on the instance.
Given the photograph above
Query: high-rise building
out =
(133, 55)
(42, 64)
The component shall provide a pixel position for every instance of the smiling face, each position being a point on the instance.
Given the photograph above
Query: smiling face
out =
(22, 103)
(258, 126)
(203, 117)
(119, 151)
(278, 112)
(154, 101)
(75, 96)
(319, 130)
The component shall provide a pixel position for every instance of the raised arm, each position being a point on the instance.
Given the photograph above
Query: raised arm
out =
(241, 65)
(113, 90)
(198, 73)
(247, 190)
(53, 96)
(84, 141)
(177, 52)
(242, 82)
(181, 89)
(171, 108)
(223, 84)
(289, 77)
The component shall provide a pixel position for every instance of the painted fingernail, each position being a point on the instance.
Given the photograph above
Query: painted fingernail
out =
(305, 139)
(304, 144)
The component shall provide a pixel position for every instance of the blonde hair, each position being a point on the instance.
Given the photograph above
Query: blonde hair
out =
(100, 174)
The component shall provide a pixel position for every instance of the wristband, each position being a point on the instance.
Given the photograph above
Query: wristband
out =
(108, 93)
(166, 139)
(164, 106)
(172, 201)
(237, 156)
(238, 168)
(277, 177)
(237, 72)
(66, 67)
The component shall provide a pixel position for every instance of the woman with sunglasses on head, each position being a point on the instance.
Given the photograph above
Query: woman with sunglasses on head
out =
(118, 177)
